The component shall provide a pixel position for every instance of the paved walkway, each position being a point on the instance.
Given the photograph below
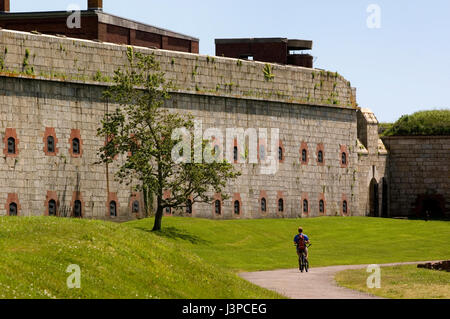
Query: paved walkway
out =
(318, 283)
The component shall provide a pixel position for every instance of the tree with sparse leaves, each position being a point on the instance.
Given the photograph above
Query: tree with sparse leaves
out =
(141, 129)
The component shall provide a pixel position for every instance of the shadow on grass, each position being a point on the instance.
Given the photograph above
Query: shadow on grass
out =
(174, 233)
(431, 219)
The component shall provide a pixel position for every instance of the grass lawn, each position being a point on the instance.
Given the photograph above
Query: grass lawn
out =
(116, 262)
(252, 245)
(401, 282)
(193, 258)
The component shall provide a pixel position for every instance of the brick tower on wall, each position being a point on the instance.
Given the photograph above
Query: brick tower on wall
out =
(97, 25)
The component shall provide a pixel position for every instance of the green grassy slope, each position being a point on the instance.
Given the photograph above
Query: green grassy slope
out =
(193, 258)
(400, 282)
(250, 245)
(116, 262)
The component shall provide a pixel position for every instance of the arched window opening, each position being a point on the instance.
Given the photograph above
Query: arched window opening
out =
(320, 157)
(280, 205)
(112, 209)
(304, 155)
(344, 207)
(305, 206)
(12, 209)
(189, 207)
(263, 205)
(135, 207)
(344, 159)
(50, 144)
(280, 153)
(11, 145)
(77, 210)
(168, 210)
(237, 207)
(321, 206)
(235, 154)
(218, 208)
(76, 146)
(52, 207)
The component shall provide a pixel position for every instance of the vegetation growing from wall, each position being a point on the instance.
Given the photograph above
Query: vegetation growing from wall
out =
(26, 68)
(2, 59)
(267, 71)
(64, 51)
(424, 123)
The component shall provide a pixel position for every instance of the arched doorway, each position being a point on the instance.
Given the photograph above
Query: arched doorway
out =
(430, 206)
(374, 210)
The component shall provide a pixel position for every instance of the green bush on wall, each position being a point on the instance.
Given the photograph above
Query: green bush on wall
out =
(434, 123)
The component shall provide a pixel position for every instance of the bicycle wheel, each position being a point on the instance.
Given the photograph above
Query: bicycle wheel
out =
(306, 264)
(300, 263)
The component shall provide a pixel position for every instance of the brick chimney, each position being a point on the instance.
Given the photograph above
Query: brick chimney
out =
(4, 6)
(93, 4)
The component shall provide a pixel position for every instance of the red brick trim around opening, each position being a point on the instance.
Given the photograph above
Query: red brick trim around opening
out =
(75, 133)
(11, 132)
(322, 197)
(344, 198)
(216, 197)
(166, 195)
(12, 198)
(237, 197)
(136, 197)
(77, 196)
(320, 148)
(280, 196)
(50, 131)
(343, 150)
(51, 195)
(283, 154)
(304, 146)
(112, 197)
(263, 194)
(305, 196)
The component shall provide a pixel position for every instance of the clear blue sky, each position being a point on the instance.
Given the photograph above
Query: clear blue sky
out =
(398, 69)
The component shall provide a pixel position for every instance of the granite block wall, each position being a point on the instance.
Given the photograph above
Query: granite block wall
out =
(88, 61)
(52, 86)
(32, 108)
(419, 174)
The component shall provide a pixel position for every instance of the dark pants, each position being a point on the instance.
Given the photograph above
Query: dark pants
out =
(299, 251)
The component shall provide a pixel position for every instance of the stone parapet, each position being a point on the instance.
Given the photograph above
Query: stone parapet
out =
(67, 59)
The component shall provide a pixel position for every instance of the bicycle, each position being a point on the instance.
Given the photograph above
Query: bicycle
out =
(303, 263)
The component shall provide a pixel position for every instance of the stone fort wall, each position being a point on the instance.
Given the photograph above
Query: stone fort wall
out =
(52, 86)
(419, 173)
(373, 180)
(88, 61)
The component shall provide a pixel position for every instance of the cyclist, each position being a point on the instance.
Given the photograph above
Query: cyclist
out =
(300, 241)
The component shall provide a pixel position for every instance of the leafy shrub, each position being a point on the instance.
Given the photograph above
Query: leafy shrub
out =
(436, 122)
